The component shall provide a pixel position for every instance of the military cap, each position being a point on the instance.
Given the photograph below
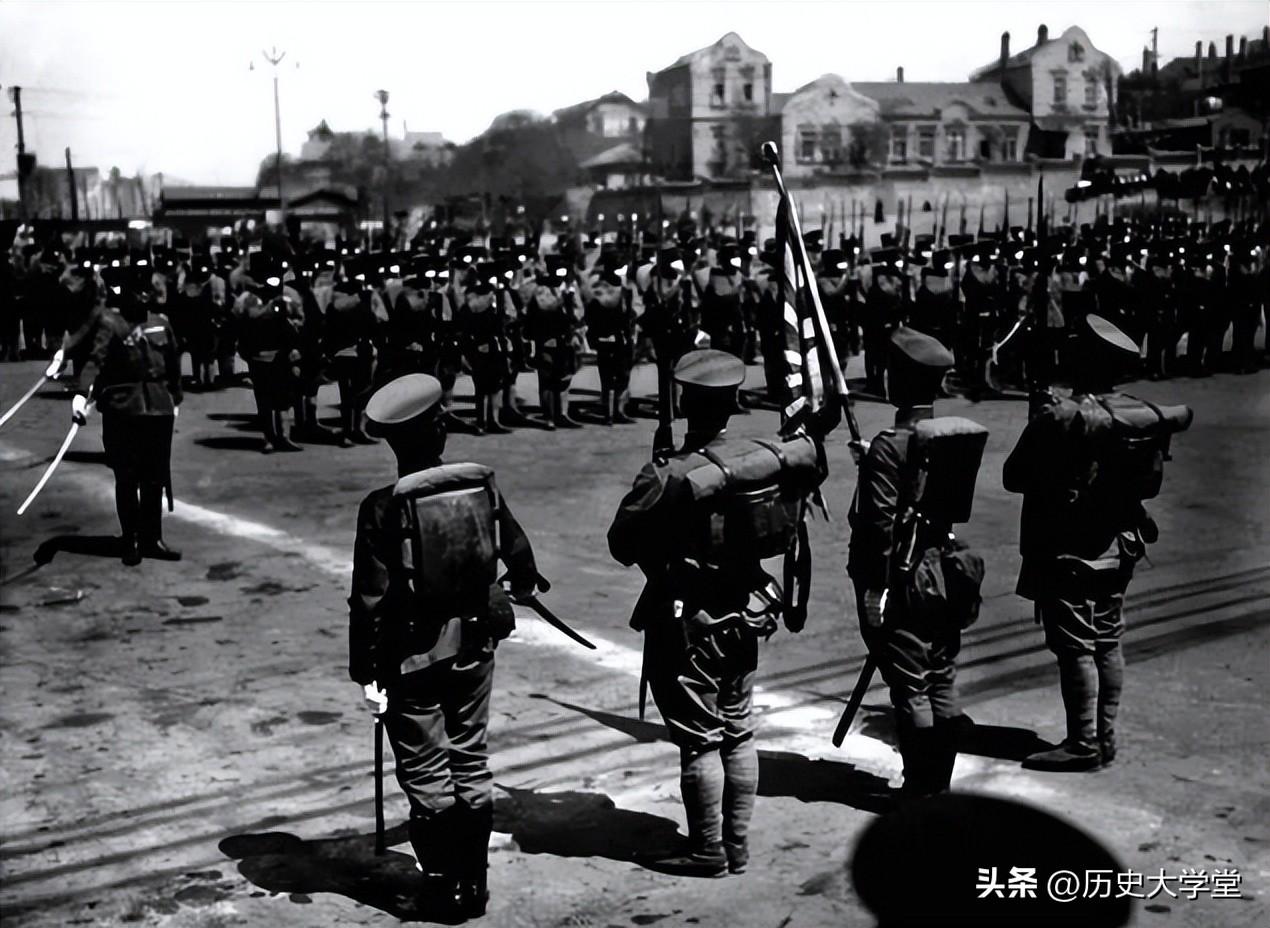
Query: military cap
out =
(960, 241)
(484, 277)
(710, 369)
(814, 238)
(115, 279)
(920, 350)
(266, 269)
(1106, 334)
(403, 400)
(834, 261)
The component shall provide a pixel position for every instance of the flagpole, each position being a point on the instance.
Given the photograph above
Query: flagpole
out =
(795, 242)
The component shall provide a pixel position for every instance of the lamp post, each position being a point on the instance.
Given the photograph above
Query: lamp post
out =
(274, 57)
(382, 97)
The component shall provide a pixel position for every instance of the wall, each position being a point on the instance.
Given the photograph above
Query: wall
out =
(1073, 57)
(826, 101)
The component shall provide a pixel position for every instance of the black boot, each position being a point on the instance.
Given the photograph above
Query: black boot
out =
(1078, 680)
(474, 870)
(128, 508)
(280, 440)
(151, 526)
(563, 419)
(493, 426)
(433, 838)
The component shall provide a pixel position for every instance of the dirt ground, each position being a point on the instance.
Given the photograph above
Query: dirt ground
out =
(181, 745)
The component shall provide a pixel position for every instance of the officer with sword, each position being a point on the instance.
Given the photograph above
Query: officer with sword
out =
(426, 612)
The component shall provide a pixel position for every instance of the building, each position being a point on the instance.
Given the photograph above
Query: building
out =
(615, 168)
(709, 111)
(822, 126)
(323, 147)
(948, 123)
(1067, 87)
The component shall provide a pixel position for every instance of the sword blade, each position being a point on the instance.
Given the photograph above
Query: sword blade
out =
(21, 402)
(57, 459)
(534, 603)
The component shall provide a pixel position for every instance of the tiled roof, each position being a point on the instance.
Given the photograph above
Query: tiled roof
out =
(923, 99)
(626, 153)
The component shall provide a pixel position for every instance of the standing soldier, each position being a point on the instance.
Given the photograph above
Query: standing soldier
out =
(882, 310)
(269, 319)
(552, 326)
(698, 523)
(348, 342)
(425, 614)
(900, 522)
(133, 375)
(1247, 292)
(1084, 465)
(611, 332)
(481, 330)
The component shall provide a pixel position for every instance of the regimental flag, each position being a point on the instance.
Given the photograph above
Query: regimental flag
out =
(816, 391)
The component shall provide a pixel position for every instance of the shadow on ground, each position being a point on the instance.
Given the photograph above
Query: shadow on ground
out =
(90, 545)
(780, 773)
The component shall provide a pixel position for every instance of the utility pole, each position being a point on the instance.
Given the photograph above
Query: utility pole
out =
(382, 97)
(70, 187)
(274, 57)
(16, 94)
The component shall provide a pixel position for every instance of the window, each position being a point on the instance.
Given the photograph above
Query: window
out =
(926, 142)
(632, 125)
(956, 138)
(806, 144)
(1060, 89)
(747, 90)
(1091, 140)
(831, 144)
(716, 91)
(1075, 53)
(1009, 144)
(899, 144)
(1091, 92)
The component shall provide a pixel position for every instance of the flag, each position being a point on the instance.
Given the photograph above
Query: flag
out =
(816, 391)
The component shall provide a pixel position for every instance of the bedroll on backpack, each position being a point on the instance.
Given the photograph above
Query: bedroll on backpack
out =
(451, 539)
(750, 496)
(1133, 438)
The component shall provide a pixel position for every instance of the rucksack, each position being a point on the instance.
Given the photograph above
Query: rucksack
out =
(1131, 439)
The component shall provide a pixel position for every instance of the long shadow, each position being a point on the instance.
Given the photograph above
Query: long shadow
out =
(247, 418)
(279, 862)
(580, 824)
(86, 457)
(781, 773)
(232, 442)
(91, 545)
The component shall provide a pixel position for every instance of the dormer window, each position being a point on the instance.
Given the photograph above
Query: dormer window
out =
(1075, 53)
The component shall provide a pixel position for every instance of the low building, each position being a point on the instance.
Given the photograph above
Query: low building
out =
(595, 126)
(822, 124)
(942, 123)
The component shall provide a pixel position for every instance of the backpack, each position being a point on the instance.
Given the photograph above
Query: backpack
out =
(1131, 438)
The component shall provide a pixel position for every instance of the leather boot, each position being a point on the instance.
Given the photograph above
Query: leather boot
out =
(474, 869)
(1078, 680)
(944, 743)
(608, 402)
(150, 534)
(280, 440)
(127, 508)
(433, 839)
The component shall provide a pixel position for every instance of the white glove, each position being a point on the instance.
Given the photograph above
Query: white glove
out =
(176, 412)
(376, 699)
(79, 409)
(55, 366)
(858, 450)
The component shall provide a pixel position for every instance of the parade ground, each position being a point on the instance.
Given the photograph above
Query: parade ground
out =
(180, 744)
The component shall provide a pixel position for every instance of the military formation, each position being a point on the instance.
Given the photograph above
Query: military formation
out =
(1064, 314)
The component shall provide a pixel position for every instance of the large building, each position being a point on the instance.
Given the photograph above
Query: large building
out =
(708, 111)
(1066, 85)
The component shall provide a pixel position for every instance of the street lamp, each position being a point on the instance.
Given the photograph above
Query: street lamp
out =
(274, 57)
(382, 97)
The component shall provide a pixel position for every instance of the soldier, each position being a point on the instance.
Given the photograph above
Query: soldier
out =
(895, 533)
(552, 325)
(707, 600)
(481, 331)
(1084, 465)
(349, 333)
(133, 375)
(722, 317)
(611, 332)
(1157, 298)
(882, 310)
(1247, 292)
(425, 614)
(269, 320)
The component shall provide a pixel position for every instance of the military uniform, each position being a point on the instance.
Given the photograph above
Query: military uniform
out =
(431, 656)
(133, 374)
(701, 629)
(611, 332)
(915, 652)
(1079, 545)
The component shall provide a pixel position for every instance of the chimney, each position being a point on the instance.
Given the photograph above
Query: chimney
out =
(1199, 51)
(1230, 46)
(899, 75)
(1005, 49)
(1042, 34)
(1229, 60)
(1146, 61)
(1212, 51)
(1243, 47)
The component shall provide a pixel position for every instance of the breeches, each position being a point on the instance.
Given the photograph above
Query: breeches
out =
(918, 661)
(702, 681)
(1082, 606)
(437, 722)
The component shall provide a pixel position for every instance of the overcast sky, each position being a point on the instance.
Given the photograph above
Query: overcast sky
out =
(165, 86)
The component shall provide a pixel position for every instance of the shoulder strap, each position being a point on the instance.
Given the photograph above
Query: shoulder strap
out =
(775, 449)
(717, 462)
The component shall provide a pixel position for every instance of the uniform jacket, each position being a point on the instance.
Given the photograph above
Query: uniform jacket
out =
(876, 508)
(133, 370)
(380, 604)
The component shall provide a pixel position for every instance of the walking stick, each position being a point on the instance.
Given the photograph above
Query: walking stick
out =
(380, 846)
